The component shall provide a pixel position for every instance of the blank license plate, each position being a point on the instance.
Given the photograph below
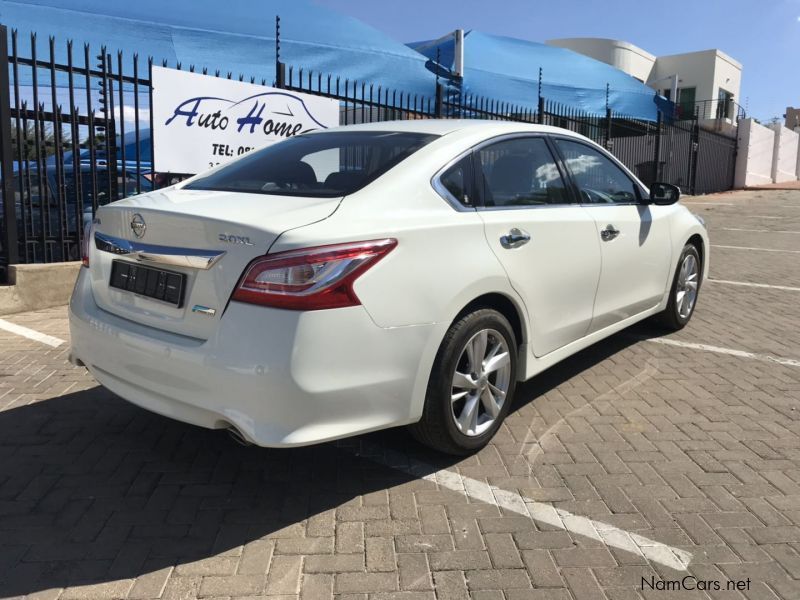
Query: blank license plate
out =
(150, 282)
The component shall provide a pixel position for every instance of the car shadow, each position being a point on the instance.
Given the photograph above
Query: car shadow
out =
(94, 489)
(582, 361)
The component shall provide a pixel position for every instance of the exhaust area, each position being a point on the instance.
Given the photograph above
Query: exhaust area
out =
(75, 361)
(237, 436)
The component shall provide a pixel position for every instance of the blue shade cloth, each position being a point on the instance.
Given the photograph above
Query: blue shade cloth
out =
(507, 69)
(237, 36)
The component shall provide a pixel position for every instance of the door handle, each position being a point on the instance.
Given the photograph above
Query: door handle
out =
(609, 233)
(515, 238)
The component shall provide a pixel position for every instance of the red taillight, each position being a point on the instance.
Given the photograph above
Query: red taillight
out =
(87, 237)
(310, 278)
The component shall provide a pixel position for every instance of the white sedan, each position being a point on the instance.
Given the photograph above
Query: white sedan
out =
(358, 278)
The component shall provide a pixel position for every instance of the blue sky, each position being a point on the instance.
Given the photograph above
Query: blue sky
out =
(763, 36)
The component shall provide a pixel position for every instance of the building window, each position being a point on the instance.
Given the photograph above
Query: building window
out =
(724, 104)
(686, 101)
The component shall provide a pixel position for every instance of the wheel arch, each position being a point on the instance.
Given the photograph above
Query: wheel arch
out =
(505, 306)
(515, 314)
(697, 241)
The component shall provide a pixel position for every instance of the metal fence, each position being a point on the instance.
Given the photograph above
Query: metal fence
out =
(672, 151)
(719, 109)
(75, 134)
(60, 147)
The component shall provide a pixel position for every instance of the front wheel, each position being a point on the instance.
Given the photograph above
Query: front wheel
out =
(471, 385)
(684, 291)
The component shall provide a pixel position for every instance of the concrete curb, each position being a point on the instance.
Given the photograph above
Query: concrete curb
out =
(37, 286)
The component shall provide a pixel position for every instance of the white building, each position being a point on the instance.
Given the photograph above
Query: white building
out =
(708, 81)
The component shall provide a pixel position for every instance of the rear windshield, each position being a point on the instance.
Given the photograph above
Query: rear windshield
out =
(321, 165)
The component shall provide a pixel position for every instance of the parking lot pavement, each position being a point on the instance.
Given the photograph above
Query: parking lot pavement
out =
(640, 467)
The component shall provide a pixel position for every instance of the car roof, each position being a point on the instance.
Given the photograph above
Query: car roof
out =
(447, 126)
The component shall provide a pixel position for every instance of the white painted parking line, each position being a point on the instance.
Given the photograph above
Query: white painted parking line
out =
(755, 230)
(654, 551)
(756, 285)
(756, 249)
(760, 217)
(709, 203)
(30, 333)
(788, 362)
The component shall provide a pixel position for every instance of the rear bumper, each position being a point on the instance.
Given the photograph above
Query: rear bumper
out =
(282, 378)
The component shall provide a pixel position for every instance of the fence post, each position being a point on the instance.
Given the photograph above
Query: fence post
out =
(280, 67)
(9, 234)
(609, 143)
(540, 111)
(439, 97)
(657, 152)
(695, 153)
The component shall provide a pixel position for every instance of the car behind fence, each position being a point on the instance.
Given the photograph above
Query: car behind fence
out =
(75, 133)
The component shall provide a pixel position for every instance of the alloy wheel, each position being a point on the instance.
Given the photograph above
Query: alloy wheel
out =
(686, 290)
(480, 382)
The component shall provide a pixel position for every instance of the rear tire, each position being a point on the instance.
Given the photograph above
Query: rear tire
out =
(468, 396)
(684, 291)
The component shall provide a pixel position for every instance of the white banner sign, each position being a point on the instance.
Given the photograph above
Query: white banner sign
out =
(201, 121)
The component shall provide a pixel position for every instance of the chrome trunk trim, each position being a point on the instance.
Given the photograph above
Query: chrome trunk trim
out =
(154, 253)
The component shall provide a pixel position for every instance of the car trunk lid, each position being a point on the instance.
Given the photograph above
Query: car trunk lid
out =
(205, 238)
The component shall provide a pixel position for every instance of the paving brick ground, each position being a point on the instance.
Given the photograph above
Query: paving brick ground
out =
(694, 449)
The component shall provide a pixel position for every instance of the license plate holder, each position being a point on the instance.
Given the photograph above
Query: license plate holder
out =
(151, 282)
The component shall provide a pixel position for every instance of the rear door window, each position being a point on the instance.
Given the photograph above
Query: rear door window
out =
(520, 172)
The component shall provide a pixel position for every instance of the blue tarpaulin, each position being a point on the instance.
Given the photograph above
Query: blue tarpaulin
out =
(239, 37)
(507, 69)
(236, 36)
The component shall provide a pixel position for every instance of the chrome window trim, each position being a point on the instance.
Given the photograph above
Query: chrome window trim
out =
(438, 186)
(527, 207)
(157, 254)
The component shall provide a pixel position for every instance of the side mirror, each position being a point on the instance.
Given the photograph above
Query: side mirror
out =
(664, 194)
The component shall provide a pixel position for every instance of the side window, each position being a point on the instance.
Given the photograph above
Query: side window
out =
(520, 172)
(600, 181)
(457, 180)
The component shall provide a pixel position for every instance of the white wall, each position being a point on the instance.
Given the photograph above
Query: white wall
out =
(728, 75)
(707, 71)
(797, 171)
(623, 55)
(694, 70)
(754, 157)
(784, 157)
